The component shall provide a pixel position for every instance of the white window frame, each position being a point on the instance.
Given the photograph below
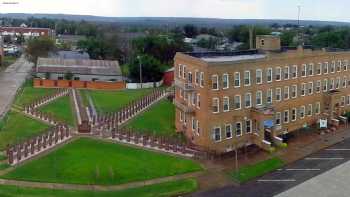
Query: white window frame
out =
(279, 93)
(302, 112)
(318, 108)
(295, 87)
(339, 66)
(250, 126)
(214, 134)
(325, 69)
(259, 93)
(227, 81)
(348, 100)
(343, 101)
(198, 104)
(286, 121)
(325, 84)
(216, 100)
(259, 75)
(249, 78)
(318, 86)
(217, 82)
(294, 115)
(179, 71)
(240, 101)
(309, 109)
(295, 69)
(332, 84)
(337, 83)
(241, 128)
(333, 67)
(303, 70)
(196, 77)
(237, 77)
(184, 69)
(310, 70)
(345, 82)
(319, 69)
(345, 65)
(230, 131)
(269, 94)
(286, 90)
(286, 68)
(310, 86)
(269, 73)
(181, 116)
(201, 82)
(303, 89)
(278, 72)
(226, 100)
(278, 116)
(250, 100)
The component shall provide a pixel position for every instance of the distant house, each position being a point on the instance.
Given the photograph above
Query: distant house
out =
(80, 55)
(78, 69)
(27, 32)
(168, 78)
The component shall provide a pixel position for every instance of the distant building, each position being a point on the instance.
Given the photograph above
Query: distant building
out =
(168, 78)
(78, 55)
(27, 32)
(79, 69)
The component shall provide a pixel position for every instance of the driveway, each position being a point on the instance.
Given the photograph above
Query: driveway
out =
(297, 173)
(11, 80)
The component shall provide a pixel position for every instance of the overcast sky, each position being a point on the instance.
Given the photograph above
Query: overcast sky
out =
(333, 10)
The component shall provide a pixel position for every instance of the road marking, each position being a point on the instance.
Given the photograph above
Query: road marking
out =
(324, 158)
(276, 180)
(306, 169)
(338, 149)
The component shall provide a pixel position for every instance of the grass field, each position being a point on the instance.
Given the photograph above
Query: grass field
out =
(16, 127)
(61, 109)
(28, 93)
(159, 120)
(158, 190)
(89, 161)
(111, 101)
(250, 172)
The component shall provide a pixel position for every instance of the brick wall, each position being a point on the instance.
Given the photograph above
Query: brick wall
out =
(45, 83)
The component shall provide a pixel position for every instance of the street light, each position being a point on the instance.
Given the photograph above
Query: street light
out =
(140, 68)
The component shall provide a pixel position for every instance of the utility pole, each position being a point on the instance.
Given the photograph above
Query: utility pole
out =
(300, 36)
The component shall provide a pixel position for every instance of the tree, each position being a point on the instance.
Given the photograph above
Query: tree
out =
(39, 47)
(191, 31)
(152, 69)
(287, 38)
(68, 76)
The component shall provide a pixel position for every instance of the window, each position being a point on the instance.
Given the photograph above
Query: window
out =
(225, 81)
(286, 116)
(237, 101)
(226, 104)
(303, 70)
(181, 93)
(247, 78)
(319, 69)
(217, 134)
(339, 65)
(286, 73)
(310, 88)
(198, 128)
(309, 110)
(311, 69)
(76, 78)
(184, 72)
(228, 130)
(325, 68)
(295, 71)
(202, 79)
(318, 108)
(216, 108)
(239, 129)
(180, 71)
(286, 93)
(345, 82)
(278, 118)
(294, 91)
(194, 99)
(196, 77)
(278, 74)
(185, 119)
(190, 78)
(278, 94)
(259, 98)
(294, 115)
(342, 103)
(269, 96)
(248, 100)
(302, 112)
(258, 76)
(325, 85)
(318, 86)
(348, 100)
(181, 116)
(198, 101)
(215, 82)
(237, 79)
(345, 65)
(333, 67)
(194, 124)
(303, 89)
(337, 83)
(269, 75)
(331, 85)
(248, 126)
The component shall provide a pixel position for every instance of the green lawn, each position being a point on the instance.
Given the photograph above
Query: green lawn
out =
(8, 60)
(89, 161)
(27, 94)
(250, 172)
(168, 189)
(111, 101)
(159, 120)
(61, 109)
(16, 127)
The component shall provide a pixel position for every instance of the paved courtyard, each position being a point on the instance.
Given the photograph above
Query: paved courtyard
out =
(11, 80)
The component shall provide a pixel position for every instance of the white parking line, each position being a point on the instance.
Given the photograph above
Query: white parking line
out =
(276, 180)
(306, 169)
(324, 158)
(338, 149)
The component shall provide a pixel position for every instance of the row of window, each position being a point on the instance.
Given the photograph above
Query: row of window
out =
(230, 130)
(194, 123)
(198, 78)
(278, 74)
(279, 94)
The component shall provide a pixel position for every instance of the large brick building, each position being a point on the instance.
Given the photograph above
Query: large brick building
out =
(229, 100)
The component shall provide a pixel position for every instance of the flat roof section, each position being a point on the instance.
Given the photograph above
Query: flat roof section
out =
(230, 56)
(233, 58)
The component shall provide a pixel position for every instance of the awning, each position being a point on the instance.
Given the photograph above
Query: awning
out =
(268, 123)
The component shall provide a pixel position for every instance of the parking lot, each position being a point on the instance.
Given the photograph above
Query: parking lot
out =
(291, 175)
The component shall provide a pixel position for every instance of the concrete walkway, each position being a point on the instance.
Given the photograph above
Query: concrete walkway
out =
(11, 80)
(97, 187)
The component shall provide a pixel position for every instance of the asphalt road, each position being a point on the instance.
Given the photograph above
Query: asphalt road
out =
(290, 176)
(11, 80)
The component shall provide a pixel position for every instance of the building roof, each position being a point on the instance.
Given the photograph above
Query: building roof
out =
(233, 56)
(78, 66)
(71, 55)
